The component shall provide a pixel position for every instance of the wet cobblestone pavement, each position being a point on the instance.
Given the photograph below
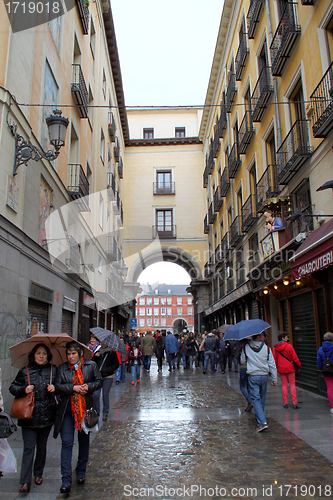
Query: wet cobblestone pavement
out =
(185, 435)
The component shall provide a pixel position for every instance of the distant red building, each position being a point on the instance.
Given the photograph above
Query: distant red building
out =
(165, 307)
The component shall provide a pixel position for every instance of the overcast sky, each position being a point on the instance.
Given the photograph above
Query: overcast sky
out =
(165, 272)
(166, 49)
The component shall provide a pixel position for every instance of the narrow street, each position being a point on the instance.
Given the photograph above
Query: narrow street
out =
(186, 435)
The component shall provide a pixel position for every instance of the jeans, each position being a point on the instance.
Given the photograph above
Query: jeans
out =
(192, 360)
(106, 387)
(231, 358)
(135, 371)
(67, 442)
(32, 439)
(172, 363)
(209, 356)
(120, 372)
(243, 384)
(181, 357)
(258, 388)
(147, 362)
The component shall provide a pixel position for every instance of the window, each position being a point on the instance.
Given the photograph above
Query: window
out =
(189, 300)
(180, 132)
(142, 321)
(164, 223)
(179, 311)
(169, 311)
(92, 38)
(163, 183)
(142, 301)
(156, 311)
(102, 146)
(253, 251)
(163, 300)
(156, 321)
(190, 311)
(149, 301)
(149, 311)
(101, 210)
(142, 311)
(169, 291)
(156, 301)
(169, 300)
(163, 311)
(148, 133)
(104, 85)
(149, 322)
(163, 321)
(179, 300)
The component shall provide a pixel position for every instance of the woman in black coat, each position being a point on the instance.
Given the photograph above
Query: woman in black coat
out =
(35, 431)
(160, 347)
(76, 382)
(107, 361)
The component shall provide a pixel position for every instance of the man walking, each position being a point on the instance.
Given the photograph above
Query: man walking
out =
(148, 347)
(259, 363)
(171, 348)
(210, 349)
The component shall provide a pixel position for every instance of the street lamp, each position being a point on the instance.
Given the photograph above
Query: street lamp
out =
(24, 151)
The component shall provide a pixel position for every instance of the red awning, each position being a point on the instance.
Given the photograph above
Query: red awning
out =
(315, 253)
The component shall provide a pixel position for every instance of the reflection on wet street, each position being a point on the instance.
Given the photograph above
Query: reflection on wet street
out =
(186, 435)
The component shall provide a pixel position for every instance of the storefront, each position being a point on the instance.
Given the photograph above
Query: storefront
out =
(39, 301)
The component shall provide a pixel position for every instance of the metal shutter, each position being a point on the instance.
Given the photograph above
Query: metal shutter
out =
(38, 317)
(67, 322)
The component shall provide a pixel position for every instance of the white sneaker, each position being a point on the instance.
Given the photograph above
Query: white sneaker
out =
(331, 410)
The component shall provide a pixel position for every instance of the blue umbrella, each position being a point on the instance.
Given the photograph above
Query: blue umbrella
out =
(246, 328)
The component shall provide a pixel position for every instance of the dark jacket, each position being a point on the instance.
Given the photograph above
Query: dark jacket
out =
(107, 362)
(210, 344)
(64, 386)
(44, 409)
(325, 351)
(160, 346)
(132, 358)
(191, 346)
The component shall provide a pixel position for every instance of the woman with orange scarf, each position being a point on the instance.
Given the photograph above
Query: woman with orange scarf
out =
(76, 382)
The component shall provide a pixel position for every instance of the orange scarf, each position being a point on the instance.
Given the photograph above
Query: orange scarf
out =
(78, 402)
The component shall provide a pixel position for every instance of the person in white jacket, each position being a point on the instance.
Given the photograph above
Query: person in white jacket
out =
(259, 364)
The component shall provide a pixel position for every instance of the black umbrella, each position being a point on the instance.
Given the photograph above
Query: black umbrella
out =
(109, 338)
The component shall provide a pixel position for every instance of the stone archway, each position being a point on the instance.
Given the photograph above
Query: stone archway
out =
(179, 325)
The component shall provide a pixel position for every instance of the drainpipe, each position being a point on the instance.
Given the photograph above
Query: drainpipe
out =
(278, 121)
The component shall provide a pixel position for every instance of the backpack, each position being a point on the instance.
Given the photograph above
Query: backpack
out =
(327, 366)
(7, 425)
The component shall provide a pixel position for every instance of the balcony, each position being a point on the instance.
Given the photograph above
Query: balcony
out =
(235, 232)
(111, 184)
(209, 268)
(249, 213)
(78, 186)
(253, 16)
(246, 133)
(241, 56)
(216, 142)
(111, 127)
(222, 120)
(225, 183)
(211, 214)
(307, 2)
(116, 149)
(111, 248)
(234, 161)
(293, 152)
(120, 168)
(83, 10)
(206, 224)
(262, 93)
(210, 160)
(322, 105)
(231, 93)
(164, 188)
(205, 177)
(116, 203)
(267, 186)
(164, 232)
(285, 36)
(219, 257)
(218, 200)
(120, 216)
(79, 90)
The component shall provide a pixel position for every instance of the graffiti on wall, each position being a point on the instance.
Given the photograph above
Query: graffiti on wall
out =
(11, 332)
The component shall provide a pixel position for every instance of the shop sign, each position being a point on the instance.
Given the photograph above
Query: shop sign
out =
(41, 293)
(231, 297)
(89, 301)
(316, 264)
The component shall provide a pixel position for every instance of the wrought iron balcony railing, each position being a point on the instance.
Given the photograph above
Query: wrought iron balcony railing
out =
(206, 224)
(235, 232)
(307, 2)
(165, 231)
(111, 185)
(241, 56)
(222, 120)
(225, 183)
(225, 245)
(285, 36)
(210, 160)
(234, 161)
(116, 203)
(209, 268)
(205, 177)
(78, 185)
(211, 213)
(216, 142)
(218, 200)
(253, 16)
(246, 133)
(219, 258)
(83, 11)
(79, 90)
(293, 152)
(322, 105)
(112, 126)
(267, 186)
(231, 92)
(262, 93)
(249, 213)
(120, 216)
(164, 188)
(111, 248)
(120, 168)
(116, 149)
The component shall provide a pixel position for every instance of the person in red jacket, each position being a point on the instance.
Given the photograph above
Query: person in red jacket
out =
(285, 357)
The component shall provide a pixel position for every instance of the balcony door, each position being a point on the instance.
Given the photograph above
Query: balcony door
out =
(164, 222)
(163, 179)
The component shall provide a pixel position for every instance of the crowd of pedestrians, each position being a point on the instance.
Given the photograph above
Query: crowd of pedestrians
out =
(63, 393)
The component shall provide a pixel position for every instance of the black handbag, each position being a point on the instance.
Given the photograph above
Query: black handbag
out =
(7, 425)
(91, 418)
